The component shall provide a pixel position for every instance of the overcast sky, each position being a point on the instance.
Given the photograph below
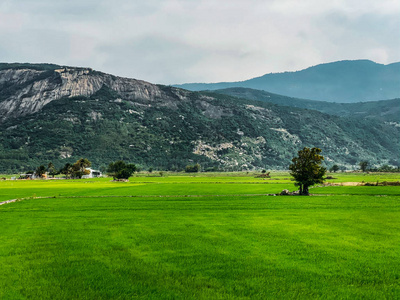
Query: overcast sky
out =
(178, 41)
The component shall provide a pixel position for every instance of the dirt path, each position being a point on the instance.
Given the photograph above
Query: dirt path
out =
(8, 201)
(344, 184)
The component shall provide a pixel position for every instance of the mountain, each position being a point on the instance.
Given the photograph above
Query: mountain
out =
(342, 81)
(60, 114)
(384, 110)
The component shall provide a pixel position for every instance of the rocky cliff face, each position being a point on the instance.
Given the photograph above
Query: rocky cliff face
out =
(27, 91)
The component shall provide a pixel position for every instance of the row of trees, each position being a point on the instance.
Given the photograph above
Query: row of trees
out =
(385, 168)
(118, 169)
(364, 167)
(306, 169)
(76, 170)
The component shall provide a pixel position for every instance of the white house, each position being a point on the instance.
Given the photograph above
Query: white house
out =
(93, 173)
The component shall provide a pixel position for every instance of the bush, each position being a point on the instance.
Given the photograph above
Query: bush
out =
(123, 174)
(192, 168)
(120, 170)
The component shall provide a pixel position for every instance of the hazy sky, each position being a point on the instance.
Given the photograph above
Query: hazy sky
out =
(177, 41)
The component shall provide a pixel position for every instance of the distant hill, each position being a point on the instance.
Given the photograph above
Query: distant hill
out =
(342, 81)
(60, 114)
(384, 110)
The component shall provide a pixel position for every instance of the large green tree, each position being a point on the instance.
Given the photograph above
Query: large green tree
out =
(51, 169)
(80, 167)
(334, 168)
(40, 171)
(363, 165)
(306, 169)
(67, 170)
(193, 169)
(121, 170)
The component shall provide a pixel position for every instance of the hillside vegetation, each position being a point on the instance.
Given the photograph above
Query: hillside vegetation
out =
(384, 110)
(63, 114)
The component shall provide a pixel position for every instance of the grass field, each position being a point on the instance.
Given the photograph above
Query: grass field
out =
(205, 237)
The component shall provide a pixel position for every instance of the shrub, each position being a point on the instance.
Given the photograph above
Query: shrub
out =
(192, 168)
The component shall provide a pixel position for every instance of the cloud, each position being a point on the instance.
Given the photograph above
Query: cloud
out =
(153, 57)
(175, 41)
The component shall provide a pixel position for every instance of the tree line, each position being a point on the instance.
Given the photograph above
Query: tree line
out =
(75, 170)
(117, 170)
(306, 169)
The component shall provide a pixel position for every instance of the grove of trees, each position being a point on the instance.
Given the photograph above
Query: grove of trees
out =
(76, 170)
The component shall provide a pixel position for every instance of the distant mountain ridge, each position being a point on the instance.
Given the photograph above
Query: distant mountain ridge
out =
(60, 114)
(384, 110)
(345, 81)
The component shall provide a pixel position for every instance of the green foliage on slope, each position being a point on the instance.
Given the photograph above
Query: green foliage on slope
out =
(221, 132)
(384, 110)
(38, 67)
(177, 128)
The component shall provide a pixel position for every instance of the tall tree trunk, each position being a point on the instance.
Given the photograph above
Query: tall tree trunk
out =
(305, 191)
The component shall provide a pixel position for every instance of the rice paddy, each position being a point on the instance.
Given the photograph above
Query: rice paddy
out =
(212, 236)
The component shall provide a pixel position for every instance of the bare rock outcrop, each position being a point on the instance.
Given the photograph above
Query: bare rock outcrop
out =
(26, 91)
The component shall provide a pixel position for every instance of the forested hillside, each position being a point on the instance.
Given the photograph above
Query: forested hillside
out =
(384, 110)
(61, 114)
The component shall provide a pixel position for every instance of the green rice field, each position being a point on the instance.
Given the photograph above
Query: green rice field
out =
(208, 236)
